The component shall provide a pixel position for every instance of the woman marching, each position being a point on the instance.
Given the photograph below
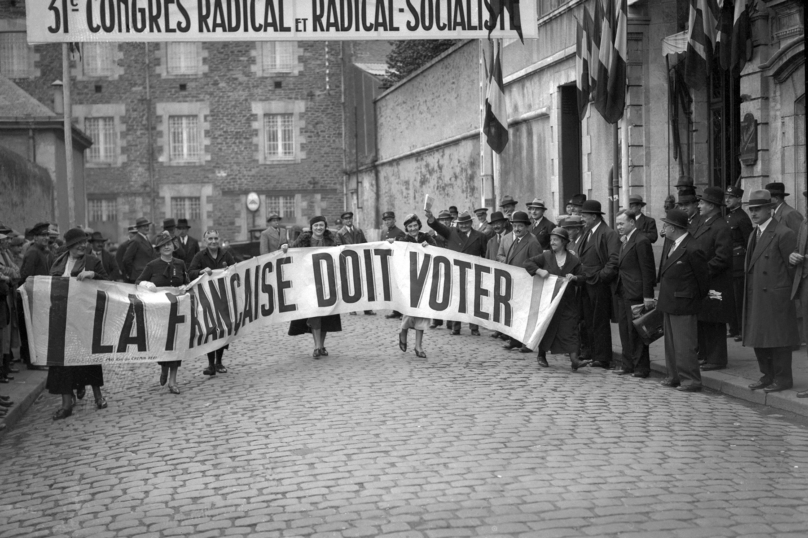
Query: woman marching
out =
(319, 327)
(76, 263)
(206, 261)
(562, 333)
(413, 234)
(165, 271)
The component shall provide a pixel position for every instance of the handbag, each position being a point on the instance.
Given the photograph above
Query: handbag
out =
(649, 325)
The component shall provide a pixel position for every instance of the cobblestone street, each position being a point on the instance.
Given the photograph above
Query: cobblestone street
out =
(474, 441)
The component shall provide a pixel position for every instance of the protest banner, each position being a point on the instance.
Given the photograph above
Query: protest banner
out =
(59, 21)
(96, 322)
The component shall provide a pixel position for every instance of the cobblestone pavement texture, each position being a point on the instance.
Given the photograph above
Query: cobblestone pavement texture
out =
(369, 441)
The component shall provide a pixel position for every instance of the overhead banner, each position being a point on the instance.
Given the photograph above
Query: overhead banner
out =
(96, 322)
(57, 21)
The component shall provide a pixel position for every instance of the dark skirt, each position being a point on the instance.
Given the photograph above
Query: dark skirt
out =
(169, 364)
(64, 379)
(562, 333)
(330, 324)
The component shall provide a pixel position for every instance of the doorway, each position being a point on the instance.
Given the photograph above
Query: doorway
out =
(569, 146)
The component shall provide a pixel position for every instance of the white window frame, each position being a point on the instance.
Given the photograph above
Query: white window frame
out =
(184, 138)
(201, 111)
(279, 136)
(108, 209)
(268, 53)
(105, 147)
(116, 141)
(186, 207)
(262, 141)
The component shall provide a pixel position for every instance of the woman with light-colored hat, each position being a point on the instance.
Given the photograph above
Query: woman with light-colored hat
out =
(76, 262)
(165, 271)
(413, 234)
(562, 333)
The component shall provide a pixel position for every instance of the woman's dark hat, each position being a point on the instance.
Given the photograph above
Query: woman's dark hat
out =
(676, 217)
(497, 216)
(412, 217)
(318, 218)
(562, 233)
(591, 206)
(520, 216)
(182, 224)
(75, 236)
(713, 195)
(163, 238)
(464, 218)
(760, 198)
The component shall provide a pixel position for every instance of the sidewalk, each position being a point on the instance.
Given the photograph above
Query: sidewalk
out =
(24, 390)
(741, 371)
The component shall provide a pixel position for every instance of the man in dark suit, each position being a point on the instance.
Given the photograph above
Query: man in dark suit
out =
(390, 231)
(508, 205)
(575, 204)
(97, 241)
(782, 211)
(574, 225)
(769, 316)
(718, 309)
(740, 227)
(351, 235)
(635, 286)
(119, 254)
(682, 286)
(139, 252)
(498, 222)
(540, 225)
(598, 251)
(644, 224)
(464, 239)
(189, 246)
(516, 249)
(799, 288)
(483, 226)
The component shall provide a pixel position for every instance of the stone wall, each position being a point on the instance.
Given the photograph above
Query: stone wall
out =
(26, 192)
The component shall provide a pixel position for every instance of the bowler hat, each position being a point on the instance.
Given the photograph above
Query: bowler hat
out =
(713, 195)
(507, 200)
(562, 233)
(497, 216)
(591, 206)
(520, 216)
(777, 189)
(74, 236)
(676, 217)
(636, 199)
(572, 221)
(760, 198)
(732, 190)
(577, 199)
(273, 216)
(538, 204)
(480, 210)
(97, 237)
(685, 181)
(444, 214)
(318, 218)
(464, 218)
(412, 217)
(182, 224)
(163, 238)
(686, 198)
(346, 215)
(142, 221)
(40, 228)
(388, 215)
(452, 209)
(169, 224)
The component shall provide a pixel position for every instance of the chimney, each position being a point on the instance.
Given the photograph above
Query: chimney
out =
(58, 97)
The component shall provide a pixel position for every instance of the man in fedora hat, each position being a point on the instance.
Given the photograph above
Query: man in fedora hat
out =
(682, 285)
(575, 204)
(119, 254)
(390, 231)
(498, 226)
(274, 236)
(97, 242)
(783, 211)
(740, 227)
(508, 205)
(189, 246)
(799, 288)
(463, 239)
(482, 223)
(574, 225)
(718, 308)
(769, 314)
(689, 203)
(351, 235)
(453, 212)
(139, 252)
(517, 248)
(540, 225)
(644, 224)
(599, 252)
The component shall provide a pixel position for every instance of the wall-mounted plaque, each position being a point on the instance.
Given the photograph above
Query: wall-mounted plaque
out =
(749, 141)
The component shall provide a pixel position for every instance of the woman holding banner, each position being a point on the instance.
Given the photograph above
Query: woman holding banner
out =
(562, 333)
(319, 327)
(76, 263)
(413, 234)
(165, 271)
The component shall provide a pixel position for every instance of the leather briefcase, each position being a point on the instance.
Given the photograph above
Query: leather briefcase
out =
(649, 325)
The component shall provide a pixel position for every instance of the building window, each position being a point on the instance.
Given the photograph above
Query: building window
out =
(102, 131)
(278, 56)
(184, 138)
(98, 59)
(186, 207)
(14, 55)
(282, 205)
(105, 210)
(183, 58)
(279, 135)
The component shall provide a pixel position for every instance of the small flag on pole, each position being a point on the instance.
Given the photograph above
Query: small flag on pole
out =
(604, 60)
(741, 37)
(495, 124)
(495, 8)
(702, 35)
(582, 67)
(616, 98)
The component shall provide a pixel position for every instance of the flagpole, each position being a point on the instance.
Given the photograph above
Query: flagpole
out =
(68, 131)
(486, 154)
(615, 174)
(625, 168)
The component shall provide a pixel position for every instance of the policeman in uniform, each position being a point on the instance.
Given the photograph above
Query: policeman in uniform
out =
(740, 226)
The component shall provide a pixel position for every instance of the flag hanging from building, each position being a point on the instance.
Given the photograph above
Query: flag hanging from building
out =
(741, 37)
(594, 48)
(702, 35)
(604, 60)
(723, 38)
(495, 7)
(495, 125)
(582, 68)
(616, 93)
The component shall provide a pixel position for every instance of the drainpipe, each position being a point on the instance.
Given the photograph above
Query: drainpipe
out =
(150, 138)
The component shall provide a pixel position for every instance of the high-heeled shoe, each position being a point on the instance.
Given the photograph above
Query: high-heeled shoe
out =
(316, 353)
(101, 403)
(222, 370)
(174, 389)
(323, 352)
(420, 354)
(62, 413)
(80, 392)
(402, 344)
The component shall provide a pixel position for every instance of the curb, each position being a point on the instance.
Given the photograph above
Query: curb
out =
(24, 390)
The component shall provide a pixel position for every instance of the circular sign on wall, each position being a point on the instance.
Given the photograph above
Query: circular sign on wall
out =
(253, 202)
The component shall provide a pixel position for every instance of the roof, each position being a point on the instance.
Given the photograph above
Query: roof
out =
(16, 102)
(373, 68)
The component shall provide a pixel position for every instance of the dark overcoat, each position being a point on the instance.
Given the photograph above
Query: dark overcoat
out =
(740, 226)
(541, 229)
(715, 240)
(769, 314)
(188, 250)
(599, 253)
(519, 252)
(647, 226)
(682, 279)
(636, 269)
(789, 216)
(473, 243)
(138, 255)
(800, 272)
